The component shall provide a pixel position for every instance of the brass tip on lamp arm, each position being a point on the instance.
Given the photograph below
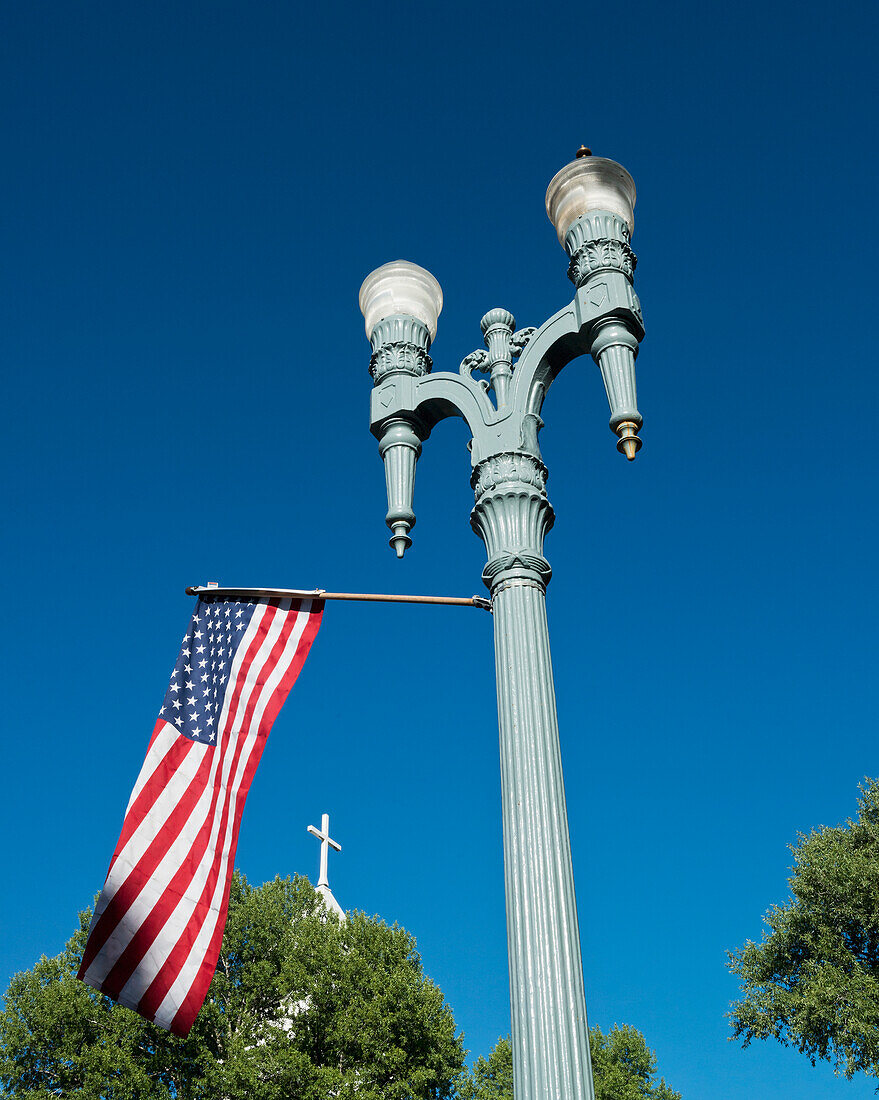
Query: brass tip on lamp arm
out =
(629, 442)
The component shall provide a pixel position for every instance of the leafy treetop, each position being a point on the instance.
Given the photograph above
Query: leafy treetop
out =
(623, 1067)
(813, 980)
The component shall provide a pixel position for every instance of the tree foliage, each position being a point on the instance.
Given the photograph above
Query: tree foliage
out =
(491, 1078)
(301, 1007)
(813, 981)
(623, 1068)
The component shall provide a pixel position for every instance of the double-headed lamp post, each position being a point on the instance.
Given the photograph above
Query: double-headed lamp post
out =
(590, 202)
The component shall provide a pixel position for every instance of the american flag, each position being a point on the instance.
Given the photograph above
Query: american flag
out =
(158, 926)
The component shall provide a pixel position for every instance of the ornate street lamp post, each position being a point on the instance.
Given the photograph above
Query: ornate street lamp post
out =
(590, 202)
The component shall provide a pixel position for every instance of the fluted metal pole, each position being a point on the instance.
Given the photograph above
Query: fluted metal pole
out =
(550, 1037)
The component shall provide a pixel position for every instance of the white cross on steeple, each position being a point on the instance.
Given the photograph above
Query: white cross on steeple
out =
(326, 842)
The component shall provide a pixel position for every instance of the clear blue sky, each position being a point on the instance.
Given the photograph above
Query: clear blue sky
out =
(192, 195)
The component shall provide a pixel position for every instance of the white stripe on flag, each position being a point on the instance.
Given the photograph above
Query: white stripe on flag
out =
(165, 738)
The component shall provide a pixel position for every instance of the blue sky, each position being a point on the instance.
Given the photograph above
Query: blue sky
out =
(193, 194)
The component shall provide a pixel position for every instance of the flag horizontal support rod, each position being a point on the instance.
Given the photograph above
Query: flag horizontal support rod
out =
(322, 594)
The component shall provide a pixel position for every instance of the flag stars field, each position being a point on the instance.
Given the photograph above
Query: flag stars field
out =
(213, 633)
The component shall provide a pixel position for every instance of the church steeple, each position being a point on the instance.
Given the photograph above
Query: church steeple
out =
(323, 883)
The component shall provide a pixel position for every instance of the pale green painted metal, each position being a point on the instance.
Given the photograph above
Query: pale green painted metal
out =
(512, 515)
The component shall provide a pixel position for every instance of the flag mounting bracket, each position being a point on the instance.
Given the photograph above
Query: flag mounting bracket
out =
(321, 594)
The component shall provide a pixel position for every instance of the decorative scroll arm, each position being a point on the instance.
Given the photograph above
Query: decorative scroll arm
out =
(519, 340)
(476, 360)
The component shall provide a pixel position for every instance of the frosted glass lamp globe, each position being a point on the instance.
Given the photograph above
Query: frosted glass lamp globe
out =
(589, 183)
(400, 287)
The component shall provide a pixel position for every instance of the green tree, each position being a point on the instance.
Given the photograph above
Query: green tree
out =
(301, 1007)
(491, 1078)
(813, 980)
(623, 1067)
